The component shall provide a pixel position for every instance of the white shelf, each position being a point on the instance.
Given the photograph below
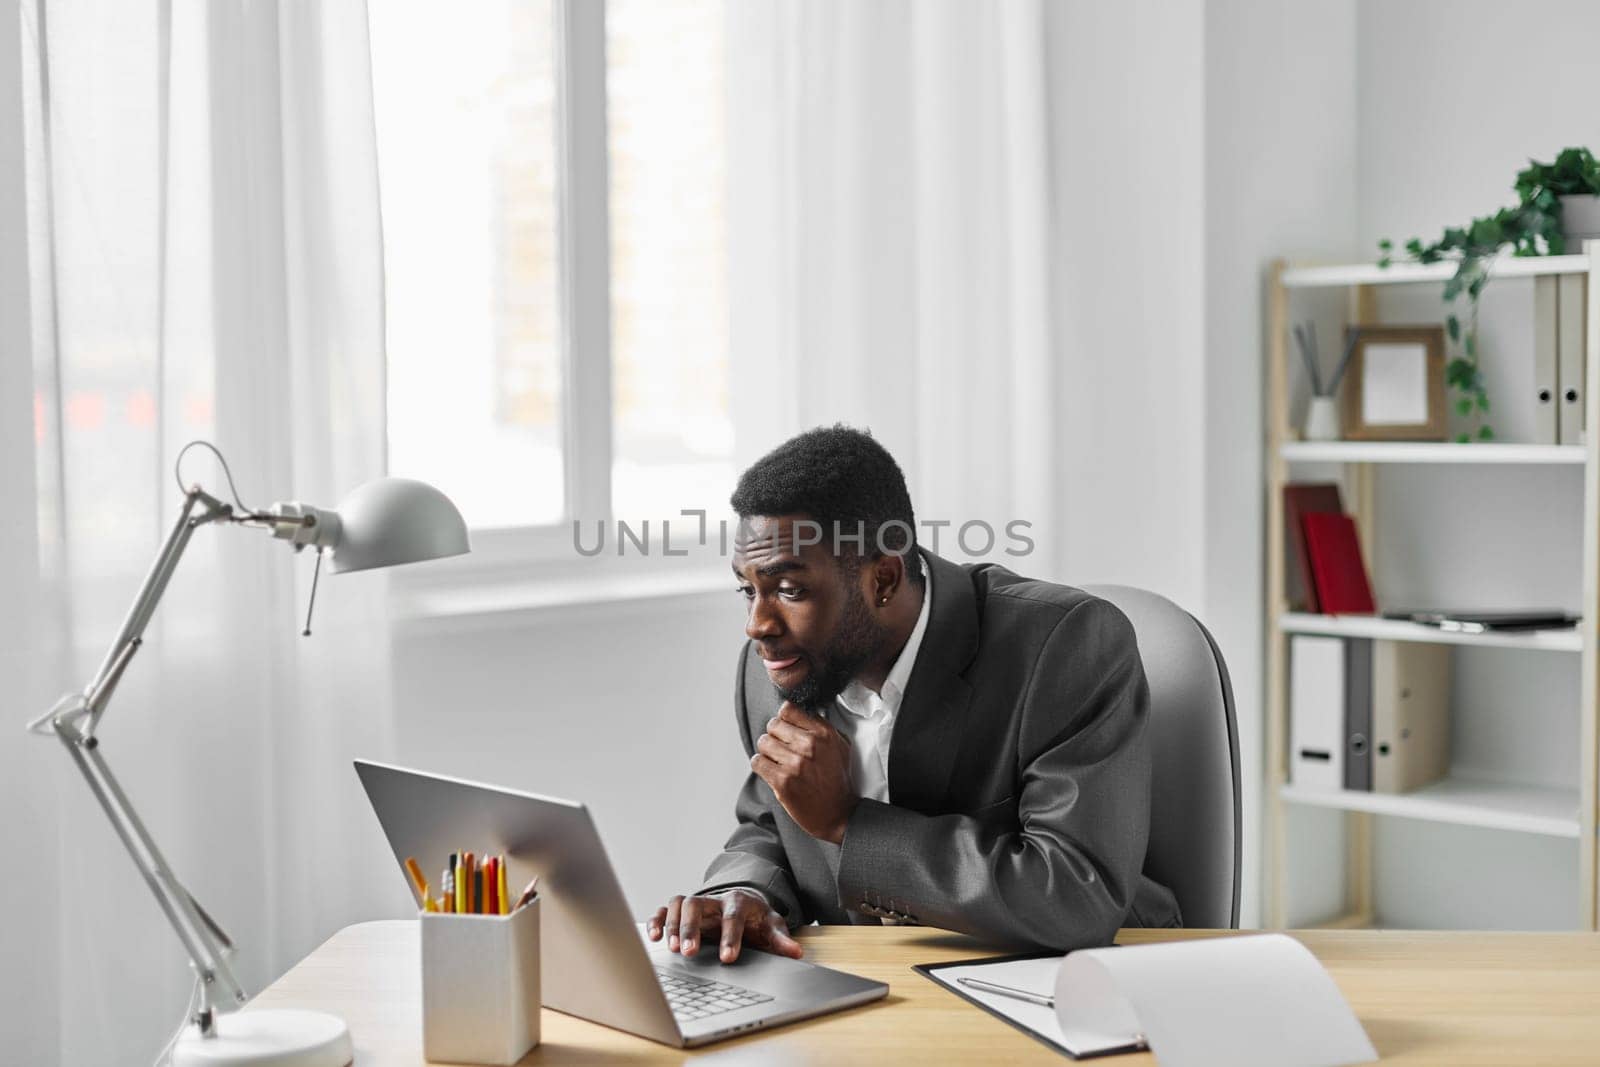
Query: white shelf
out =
(1428, 452)
(1532, 809)
(1400, 272)
(1295, 622)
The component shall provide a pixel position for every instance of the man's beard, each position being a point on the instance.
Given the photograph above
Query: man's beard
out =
(857, 640)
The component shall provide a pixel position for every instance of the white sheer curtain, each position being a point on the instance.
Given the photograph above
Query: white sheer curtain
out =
(978, 228)
(205, 261)
(890, 242)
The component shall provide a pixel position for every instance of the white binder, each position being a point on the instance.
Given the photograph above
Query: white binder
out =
(1316, 712)
(1570, 343)
(1546, 327)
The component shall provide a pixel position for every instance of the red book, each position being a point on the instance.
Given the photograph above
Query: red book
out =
(1299, 501)
(1336, 567)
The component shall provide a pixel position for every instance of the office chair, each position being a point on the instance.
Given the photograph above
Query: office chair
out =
(1195, 822)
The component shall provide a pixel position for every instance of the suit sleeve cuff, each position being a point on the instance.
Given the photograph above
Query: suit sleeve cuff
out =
(772, 892)
(752, 890)
(871, 861)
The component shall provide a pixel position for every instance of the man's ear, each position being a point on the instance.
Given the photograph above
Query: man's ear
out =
(888, 578)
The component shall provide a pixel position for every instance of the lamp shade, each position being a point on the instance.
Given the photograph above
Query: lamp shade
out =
(390, 521)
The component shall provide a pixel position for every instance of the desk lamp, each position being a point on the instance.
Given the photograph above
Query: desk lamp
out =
(383, 523)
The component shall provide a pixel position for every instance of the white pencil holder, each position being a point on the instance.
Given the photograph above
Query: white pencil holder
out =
(480, 986)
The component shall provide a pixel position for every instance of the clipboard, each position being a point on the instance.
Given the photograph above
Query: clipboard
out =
(932, 972)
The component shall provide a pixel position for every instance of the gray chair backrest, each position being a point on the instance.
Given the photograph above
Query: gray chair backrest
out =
(1195, 819)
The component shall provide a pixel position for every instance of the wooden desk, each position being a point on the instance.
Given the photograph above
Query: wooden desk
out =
(1438, 998)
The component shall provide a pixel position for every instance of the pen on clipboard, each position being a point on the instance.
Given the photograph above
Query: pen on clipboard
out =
(1006, 991)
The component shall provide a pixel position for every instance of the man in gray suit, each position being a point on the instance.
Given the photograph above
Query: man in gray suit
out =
(951, 745)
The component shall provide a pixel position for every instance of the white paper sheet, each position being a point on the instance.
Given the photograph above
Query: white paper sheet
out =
(1036, 976)
(1257, 1001)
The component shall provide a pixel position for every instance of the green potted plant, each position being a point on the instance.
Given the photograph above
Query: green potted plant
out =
(1556, 205)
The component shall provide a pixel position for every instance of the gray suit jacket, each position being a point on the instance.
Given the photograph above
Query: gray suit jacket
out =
(1019, 776)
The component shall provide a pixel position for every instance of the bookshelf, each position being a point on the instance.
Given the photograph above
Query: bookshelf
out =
(1458, 799)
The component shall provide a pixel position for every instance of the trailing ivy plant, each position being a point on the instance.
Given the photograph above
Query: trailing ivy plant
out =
(1535, 218)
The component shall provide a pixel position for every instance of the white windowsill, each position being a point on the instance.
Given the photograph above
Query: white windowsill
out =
(575, 593)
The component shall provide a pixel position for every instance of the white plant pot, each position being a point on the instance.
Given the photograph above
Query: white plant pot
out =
(1580, 220)
(1322, 420)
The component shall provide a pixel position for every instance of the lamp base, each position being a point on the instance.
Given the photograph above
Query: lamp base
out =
(281, 1038)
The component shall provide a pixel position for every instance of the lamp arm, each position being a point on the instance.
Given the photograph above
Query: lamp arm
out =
(204, 941)
(98, 692)
(73, 721)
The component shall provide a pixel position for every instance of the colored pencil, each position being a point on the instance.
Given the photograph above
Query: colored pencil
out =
(417, 880)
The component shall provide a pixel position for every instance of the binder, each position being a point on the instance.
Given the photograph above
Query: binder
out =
(1572, 321)
(1300, 500)
(1410, 715)
(1317, 712)
(1336, 565)
(1546, 329)
(1358, 714)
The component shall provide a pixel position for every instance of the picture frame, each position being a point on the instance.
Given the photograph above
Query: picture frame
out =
(1394, 386)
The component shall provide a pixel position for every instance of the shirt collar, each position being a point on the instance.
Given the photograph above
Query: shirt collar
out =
(858, 700)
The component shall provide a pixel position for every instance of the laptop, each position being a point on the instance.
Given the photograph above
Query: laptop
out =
(1478, 622)
(596, 962)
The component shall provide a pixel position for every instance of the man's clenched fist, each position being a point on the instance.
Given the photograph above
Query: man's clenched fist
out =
(807, 764)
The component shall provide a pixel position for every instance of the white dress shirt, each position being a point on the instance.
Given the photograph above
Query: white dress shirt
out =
(868, 719)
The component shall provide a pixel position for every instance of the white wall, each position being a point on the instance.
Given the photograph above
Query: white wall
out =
(1449, 111)
(1280, 134)
(626, 706)
(1128, 119)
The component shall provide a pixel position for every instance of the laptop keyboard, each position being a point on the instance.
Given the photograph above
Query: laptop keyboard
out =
(696, 998)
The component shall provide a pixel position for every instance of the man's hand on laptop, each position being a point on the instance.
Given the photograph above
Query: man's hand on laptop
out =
(740, 915)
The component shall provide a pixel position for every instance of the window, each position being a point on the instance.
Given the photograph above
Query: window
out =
(553, 178)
